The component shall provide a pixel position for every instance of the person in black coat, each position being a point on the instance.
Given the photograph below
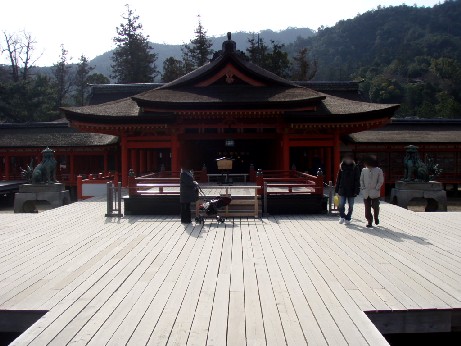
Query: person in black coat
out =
(188, 193)
(347, 187)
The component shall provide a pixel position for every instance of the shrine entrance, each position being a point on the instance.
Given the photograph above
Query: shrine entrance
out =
(311, 159)
(262, 153)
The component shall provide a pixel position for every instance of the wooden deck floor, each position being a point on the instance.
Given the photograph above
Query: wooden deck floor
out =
(275, 281)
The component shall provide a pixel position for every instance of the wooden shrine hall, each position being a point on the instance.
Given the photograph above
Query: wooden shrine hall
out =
(229, 107)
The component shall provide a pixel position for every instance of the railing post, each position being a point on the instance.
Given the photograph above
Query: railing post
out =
(260, 181)
(252, 174)
(265, 199)
(119, 198)
(319, 182)
(109, 198)
(131, 183)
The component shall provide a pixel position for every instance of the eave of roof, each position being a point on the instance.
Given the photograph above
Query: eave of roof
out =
(228, 97)
(411, 132)
(41, 136)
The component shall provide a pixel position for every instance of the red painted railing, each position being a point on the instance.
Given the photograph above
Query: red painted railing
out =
(94, 184)
(289, 179)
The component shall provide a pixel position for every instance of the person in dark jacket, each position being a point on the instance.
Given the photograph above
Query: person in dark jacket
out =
(347, 187)
(188, 193)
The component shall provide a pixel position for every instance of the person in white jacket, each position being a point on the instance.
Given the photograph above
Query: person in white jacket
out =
(371, 180)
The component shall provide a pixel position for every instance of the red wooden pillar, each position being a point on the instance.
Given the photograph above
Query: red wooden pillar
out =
(134, 161)
(175, 159)
(149, 161)
(124, 161)
(106, 164)
(328, 163)
(286, 152)
(72, 168)
(336, 154)
(7, 167)
(142, 161)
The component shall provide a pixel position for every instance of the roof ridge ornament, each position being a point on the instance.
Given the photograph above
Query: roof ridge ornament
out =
(229, 46)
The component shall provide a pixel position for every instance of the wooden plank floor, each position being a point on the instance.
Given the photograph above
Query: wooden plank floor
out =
(289, 280)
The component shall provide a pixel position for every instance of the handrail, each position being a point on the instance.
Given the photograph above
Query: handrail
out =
(93, 180)
(287, 177)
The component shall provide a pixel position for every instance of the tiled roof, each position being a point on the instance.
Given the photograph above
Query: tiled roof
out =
(337, 105)
(226, 96)
(123, 107)
(50, 134)
(411, 132)
(101, 93)
(235, 58)
(252, 88)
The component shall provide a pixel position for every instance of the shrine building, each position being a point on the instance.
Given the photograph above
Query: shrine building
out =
(229, 107)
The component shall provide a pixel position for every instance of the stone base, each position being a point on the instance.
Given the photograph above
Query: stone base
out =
(35, 188)
(55, 194)
(432, 191)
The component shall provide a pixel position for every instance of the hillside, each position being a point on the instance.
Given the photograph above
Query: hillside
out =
(405, 54)
(102, 62)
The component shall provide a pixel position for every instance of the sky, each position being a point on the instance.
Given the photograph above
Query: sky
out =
(88, 26)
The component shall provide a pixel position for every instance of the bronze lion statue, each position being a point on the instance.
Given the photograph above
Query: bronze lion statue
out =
(45, 172)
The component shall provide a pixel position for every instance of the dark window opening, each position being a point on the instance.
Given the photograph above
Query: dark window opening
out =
(191, 130)
(230, 130)
(210, 130)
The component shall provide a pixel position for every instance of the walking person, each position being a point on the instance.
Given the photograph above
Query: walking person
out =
(371, 180)
(188, 193)
(347, 187)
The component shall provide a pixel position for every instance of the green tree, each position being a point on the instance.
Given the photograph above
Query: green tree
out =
(257, 50)
(97, 78)
(81, 80)
(26, 101)
(303, 68)
(277, 60)
(172, 69)
(273, 59)
(24, 96)
(63, 78)
(198, 52)
(133, 59)
(385, 90)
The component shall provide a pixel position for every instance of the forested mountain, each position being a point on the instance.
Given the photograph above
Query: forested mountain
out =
(405, 54)
(102, 62)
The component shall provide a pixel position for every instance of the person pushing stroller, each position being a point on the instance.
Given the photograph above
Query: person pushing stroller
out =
(188, 193)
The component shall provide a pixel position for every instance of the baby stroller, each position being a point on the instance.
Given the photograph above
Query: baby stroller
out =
(211, 207)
